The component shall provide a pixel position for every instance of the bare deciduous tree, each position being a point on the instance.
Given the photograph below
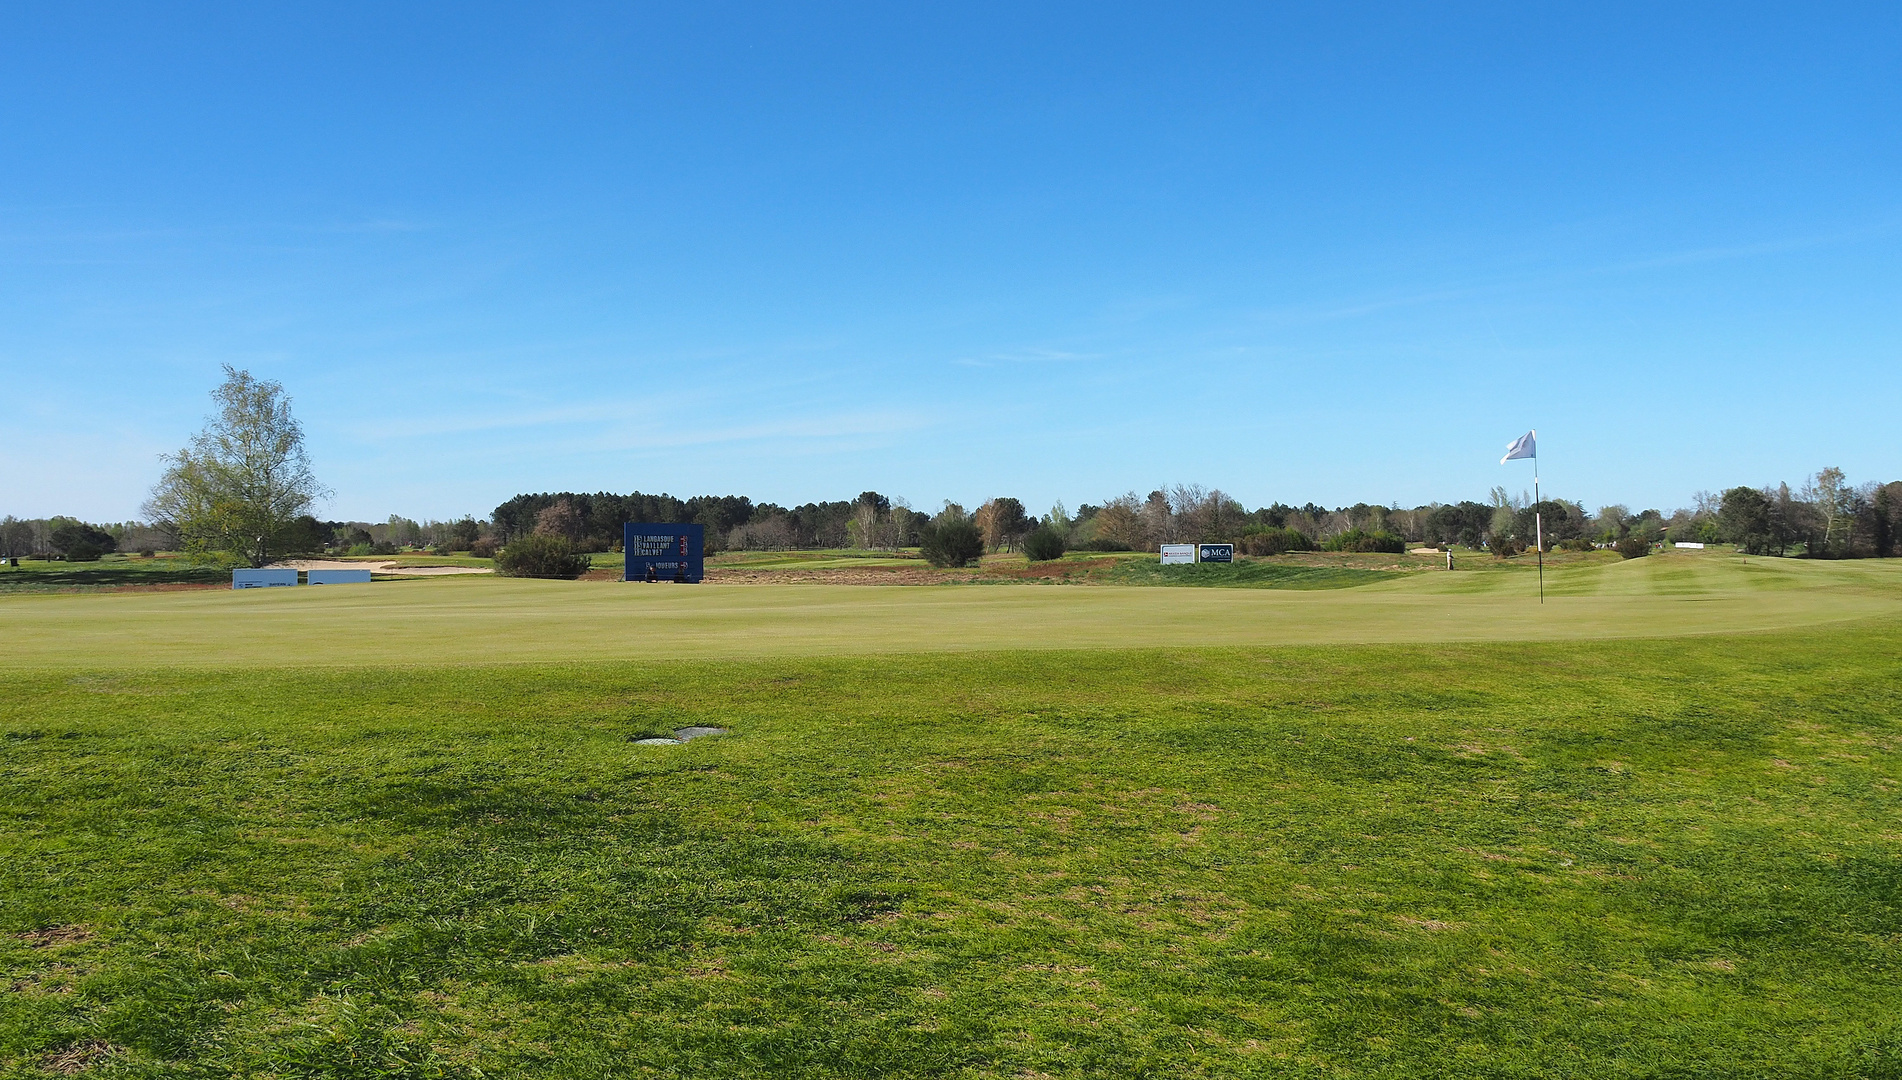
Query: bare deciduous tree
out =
(1832, 497)
(561, 519)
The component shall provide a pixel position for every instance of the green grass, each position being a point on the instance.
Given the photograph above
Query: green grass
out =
(109, 572)
(1419, 828)
(1589, 859)
(821, 559)
(488, 620)
(1244, 574)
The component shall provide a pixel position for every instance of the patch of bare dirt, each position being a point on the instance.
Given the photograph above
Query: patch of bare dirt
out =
(79, 1057)
(53, 936)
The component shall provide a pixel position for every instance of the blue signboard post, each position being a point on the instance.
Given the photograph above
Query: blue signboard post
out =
(664, 552)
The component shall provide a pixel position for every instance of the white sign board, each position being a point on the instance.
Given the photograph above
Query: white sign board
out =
(1177, 553)
(262, 579)
(339, 577)
(1685, 543)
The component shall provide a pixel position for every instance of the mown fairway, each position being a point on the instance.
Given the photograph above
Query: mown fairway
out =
(376, 849)
(495, 620)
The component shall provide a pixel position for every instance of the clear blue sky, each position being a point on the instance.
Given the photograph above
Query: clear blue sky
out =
(795, 251)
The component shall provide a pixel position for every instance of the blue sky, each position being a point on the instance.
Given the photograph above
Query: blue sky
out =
(956, 251)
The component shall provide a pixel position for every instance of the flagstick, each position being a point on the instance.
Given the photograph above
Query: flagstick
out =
(1538, 519)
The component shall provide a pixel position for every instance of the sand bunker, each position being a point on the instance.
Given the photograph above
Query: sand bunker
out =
(390, 567)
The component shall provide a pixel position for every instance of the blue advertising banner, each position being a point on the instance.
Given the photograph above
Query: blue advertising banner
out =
(664, 552)
(1216, 553)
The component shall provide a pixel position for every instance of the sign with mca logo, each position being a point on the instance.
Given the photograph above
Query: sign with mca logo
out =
(664, 552)
(1215, 553)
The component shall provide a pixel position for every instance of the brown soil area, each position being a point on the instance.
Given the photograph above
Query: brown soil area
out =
(51, 936)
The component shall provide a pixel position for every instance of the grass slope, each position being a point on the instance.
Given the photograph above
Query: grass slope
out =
(1245, 574)
(1592, 859)
(485, 620)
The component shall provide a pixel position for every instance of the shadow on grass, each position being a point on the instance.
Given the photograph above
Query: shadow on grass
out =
(48, 576)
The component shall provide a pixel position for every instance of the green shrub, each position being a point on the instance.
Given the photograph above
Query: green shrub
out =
(541, 556)
(1633, 547)
(1043, 544)
(1577, 543)
(1270, 540)
(1356, 540)
(83, 543)
(954, 543)
(484, 547)
(1103, 543)
(1505, 547)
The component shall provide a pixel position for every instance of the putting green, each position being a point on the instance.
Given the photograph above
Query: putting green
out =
(485, 621)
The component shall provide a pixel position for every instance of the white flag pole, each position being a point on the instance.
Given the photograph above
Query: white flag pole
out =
(1527, 446)
(1538, 519)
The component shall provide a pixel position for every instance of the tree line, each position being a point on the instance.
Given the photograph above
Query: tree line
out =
(243, 490)
(1825, 517)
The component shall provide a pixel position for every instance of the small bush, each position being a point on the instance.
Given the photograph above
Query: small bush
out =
(954, 543)
(1505, 547)
(1103, 543)
(484, 548)
(1268, 540)
(1633, 547)
(1577, 543)
(146, 553)
(1043, 544)
(541, 556)
(1356, 540)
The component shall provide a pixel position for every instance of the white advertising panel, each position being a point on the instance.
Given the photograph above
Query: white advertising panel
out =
(1177, 553)
(1688, 544)
(262, 579)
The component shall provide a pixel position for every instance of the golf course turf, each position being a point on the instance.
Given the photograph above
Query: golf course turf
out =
(1423, 827)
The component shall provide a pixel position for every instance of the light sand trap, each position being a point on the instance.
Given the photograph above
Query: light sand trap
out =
(389, 567)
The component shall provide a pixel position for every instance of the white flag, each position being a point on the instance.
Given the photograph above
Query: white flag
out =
(1522, 447)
